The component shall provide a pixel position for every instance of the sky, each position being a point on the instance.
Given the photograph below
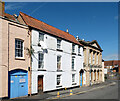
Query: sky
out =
(88, 20)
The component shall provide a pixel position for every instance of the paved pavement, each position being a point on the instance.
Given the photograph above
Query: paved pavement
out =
(106, 90)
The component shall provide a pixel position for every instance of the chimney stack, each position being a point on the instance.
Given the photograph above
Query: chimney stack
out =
(2, 8)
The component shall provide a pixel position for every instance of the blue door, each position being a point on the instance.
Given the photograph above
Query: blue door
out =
(81, 79)
(18, 83)
(13, 86)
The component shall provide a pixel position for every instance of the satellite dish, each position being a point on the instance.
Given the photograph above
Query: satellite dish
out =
(43, 45)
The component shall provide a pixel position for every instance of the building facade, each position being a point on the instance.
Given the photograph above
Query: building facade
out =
(93, 69)
(57, 57)
(14, 61)
(112, 68)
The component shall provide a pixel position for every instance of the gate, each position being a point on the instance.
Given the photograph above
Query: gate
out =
(18, 83)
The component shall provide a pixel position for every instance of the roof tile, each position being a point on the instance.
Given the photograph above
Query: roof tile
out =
(30, 21)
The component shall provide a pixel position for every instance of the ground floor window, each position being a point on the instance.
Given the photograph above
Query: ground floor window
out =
(58, 79)
(73, 78)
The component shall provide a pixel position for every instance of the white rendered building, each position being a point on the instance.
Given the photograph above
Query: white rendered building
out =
(57, 58)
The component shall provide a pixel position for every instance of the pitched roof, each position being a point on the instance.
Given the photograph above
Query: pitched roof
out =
(90, 43)
(112, 63)
(32, 22)
(11, 17)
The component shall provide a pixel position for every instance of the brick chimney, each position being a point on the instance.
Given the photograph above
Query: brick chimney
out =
(2, 8)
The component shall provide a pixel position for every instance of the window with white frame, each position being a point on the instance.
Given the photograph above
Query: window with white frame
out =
(58, 44)
(40, 60)
(73, 78)
(19, 48)
(73, 63)
(58, 62)
(78, 49)
(73, 48)
(41, 36)
(58, 80)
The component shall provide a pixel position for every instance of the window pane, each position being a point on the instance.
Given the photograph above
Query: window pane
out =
(58, 62)
(40, 60)
(58, 79)
(58, 43)
(73, 48)
(41, 36)
(18, 48)
(73, 77)
(72, 63)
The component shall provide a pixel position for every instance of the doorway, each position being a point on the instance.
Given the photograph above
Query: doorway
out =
(40, 83)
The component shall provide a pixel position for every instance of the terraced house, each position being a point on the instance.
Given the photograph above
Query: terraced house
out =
(93, 68)
(14, 57)
(57, 56)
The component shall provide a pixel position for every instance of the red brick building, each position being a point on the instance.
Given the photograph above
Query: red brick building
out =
(113, 65)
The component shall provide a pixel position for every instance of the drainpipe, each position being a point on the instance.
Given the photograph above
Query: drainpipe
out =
(30, 61)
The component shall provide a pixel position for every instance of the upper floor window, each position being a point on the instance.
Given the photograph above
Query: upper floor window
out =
(73, 63)
(79, 49)
(58, 44)
(41, 36)
(58, 62)
(73, 78)
(58, 79)
(40, 60)
(18, 48)
(73, 48)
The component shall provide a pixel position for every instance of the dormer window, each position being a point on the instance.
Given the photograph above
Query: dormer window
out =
(58, 44)
(73, 48)
(41, 36)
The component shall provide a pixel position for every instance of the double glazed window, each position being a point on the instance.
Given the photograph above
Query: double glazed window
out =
(40, 60)
(18, 48)
(41, 36)
(73, 48)
(58, 79)
(58, 44)
(73, 78)
(58, 62)
(73, 63)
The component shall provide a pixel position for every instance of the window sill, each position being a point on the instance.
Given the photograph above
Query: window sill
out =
(59, 70)
(19, 58)
(41, 69)
(74, 83)
(73, 53)
(73, 70)
(58, 86)
(59, 50)
(79, 54)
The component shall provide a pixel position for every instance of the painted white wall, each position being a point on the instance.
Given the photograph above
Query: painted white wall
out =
(50, 63)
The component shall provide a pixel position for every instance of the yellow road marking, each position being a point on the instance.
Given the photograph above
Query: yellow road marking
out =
(84, 91)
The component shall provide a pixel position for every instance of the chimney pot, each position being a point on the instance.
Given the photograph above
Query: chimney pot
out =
(67, 30)
(77, 38)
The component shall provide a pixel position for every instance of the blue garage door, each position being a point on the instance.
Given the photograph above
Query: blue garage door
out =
(18, 83)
